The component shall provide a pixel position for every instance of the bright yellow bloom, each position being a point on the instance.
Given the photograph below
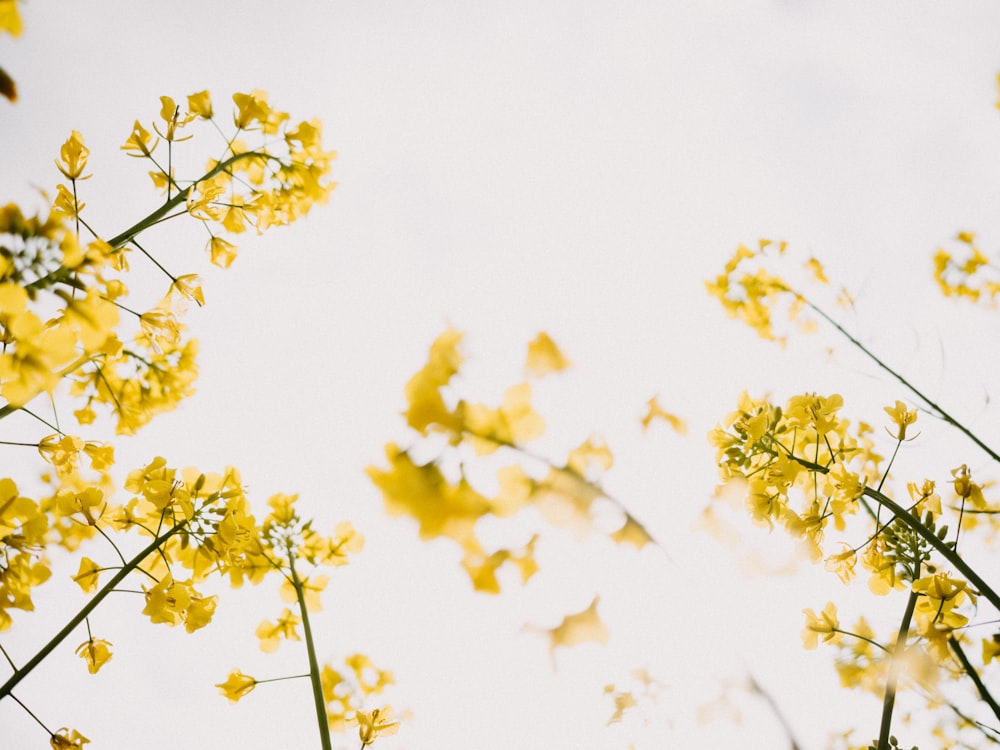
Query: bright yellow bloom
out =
(171, 115)
(655, 411)
(270, 635)
(815, 411)
(138, 143)
(580, 627)
(991, 648)
(10, 18)
(188, 287)
(825, 624)
(901, 417)
(253, 108)
(237, 685)
(966, 489)
(86, 577)
(544, 356)
(942, 595)
(423, 391)
(221, 252)
(96, 652)
(816, 268)
(311, 589)
(175, 602)
(843, 563)
(67, 739)
(74, 157)
(375, 723)
(200, 105)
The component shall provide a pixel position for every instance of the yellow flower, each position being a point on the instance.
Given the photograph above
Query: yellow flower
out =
(96, 652)
(843, 563)
(311, 588)
(237, 685)
(188, 287)
(991, 648)
(544, 356)
(67, 739)
(941, 596)
(901, 417)
(170, 113)
(655, 411)
(200, 105)
(271, 634)
(966, 489)
(138, 143)
(825, 624)
(10, 18)
(74, 157)
(221, 252)
(86, 577)
(375, 723)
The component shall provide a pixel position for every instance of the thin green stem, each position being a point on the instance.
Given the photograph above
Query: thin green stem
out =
(120, 240)
(890, 681)
(947, 552)
(31, 714)
(579, 478)
(6, 656)
(89, 607)
(279, 679)
(928, 403)
(970, 670)
(914, 523)
(155, 261)
(314, 678)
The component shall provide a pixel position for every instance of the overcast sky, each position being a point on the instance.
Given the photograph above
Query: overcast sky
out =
(505, 168)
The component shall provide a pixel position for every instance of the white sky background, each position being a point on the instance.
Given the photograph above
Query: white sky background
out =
(506, 168)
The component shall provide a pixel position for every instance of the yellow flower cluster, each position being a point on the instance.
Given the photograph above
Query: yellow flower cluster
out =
(969, 278)
(804, 468)
(449, 505)
(749, 292)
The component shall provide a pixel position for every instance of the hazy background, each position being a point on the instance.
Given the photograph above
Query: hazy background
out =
(505, 168)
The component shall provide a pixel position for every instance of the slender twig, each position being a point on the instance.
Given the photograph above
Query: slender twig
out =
(314, 676)
(970, 670)
(890, 681)
(772, 704)
(89, 607)
(930, 405)
(914, 523)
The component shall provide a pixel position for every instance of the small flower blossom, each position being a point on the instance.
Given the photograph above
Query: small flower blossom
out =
(96, 653)
(237, 685)
(901, 417)
(375, 723)
(825, 624)
(73, 157)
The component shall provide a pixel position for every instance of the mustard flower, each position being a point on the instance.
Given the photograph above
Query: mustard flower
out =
(96, 652)
(375, 723)
(825, 624)
(901, 417)
(67, 739)
(200, 105)
(237, 685)
(73, 155)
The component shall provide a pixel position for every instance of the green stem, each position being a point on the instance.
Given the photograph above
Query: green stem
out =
(120, 240)
(890, 681)
(64, 275)
(947, 552)
(970, 670)
(317, 686)
(933, 407)
(914, 523)
(89, 607)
